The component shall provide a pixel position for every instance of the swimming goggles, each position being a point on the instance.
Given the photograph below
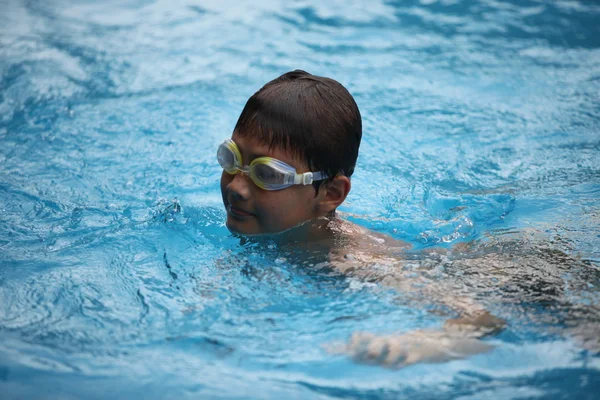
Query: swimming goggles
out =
(266, 172)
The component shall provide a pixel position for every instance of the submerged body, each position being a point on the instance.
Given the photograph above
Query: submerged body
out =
(462, 284)
(353, 251)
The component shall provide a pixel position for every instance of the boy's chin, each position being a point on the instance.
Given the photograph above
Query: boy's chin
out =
(243, 227)
(250, 228)
(247, 227)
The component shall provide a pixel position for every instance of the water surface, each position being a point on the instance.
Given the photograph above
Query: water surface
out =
(481, 123)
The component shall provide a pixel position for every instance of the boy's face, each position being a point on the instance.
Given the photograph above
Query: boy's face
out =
(252, 210)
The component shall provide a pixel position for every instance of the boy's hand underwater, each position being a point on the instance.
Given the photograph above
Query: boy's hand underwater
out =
(410, 348)
(459, 339)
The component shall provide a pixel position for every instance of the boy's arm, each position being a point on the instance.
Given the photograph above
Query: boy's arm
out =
(378, 258)
(459, 338)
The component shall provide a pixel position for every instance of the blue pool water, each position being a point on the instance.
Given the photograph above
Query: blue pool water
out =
(119, 280)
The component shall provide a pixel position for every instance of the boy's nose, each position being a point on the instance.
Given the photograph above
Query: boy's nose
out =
(240, 187)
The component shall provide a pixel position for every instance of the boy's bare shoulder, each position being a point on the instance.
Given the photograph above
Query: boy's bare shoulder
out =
(359, 247)
(362, 237)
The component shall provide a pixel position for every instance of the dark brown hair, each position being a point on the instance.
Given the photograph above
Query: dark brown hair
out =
(311, 117)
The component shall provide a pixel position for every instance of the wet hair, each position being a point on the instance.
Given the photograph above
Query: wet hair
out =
(311, 117)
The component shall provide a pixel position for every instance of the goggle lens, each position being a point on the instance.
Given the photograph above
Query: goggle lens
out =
(227, 158)
(266, 176)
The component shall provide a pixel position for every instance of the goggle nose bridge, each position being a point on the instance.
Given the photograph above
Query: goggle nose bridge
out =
(244, 169)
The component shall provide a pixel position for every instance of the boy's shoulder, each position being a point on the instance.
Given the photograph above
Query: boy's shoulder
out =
(360, 246)
(359, 234)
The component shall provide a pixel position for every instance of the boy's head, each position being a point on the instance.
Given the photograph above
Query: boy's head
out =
(312, 124)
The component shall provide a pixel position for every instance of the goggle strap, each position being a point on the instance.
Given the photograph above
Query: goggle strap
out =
(319, 176)
(308, 177)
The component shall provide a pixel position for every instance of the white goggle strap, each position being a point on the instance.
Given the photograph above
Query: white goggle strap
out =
(308, 177)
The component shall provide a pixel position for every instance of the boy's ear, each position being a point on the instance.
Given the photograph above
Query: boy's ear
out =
(334, 194)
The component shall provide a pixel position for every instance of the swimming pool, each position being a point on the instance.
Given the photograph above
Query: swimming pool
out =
(119, 280)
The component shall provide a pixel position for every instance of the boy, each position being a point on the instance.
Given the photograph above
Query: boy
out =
(287, 168)
(311, 127)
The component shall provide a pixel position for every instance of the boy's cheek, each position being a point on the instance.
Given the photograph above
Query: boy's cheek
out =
(225, 180)
(282, 211)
